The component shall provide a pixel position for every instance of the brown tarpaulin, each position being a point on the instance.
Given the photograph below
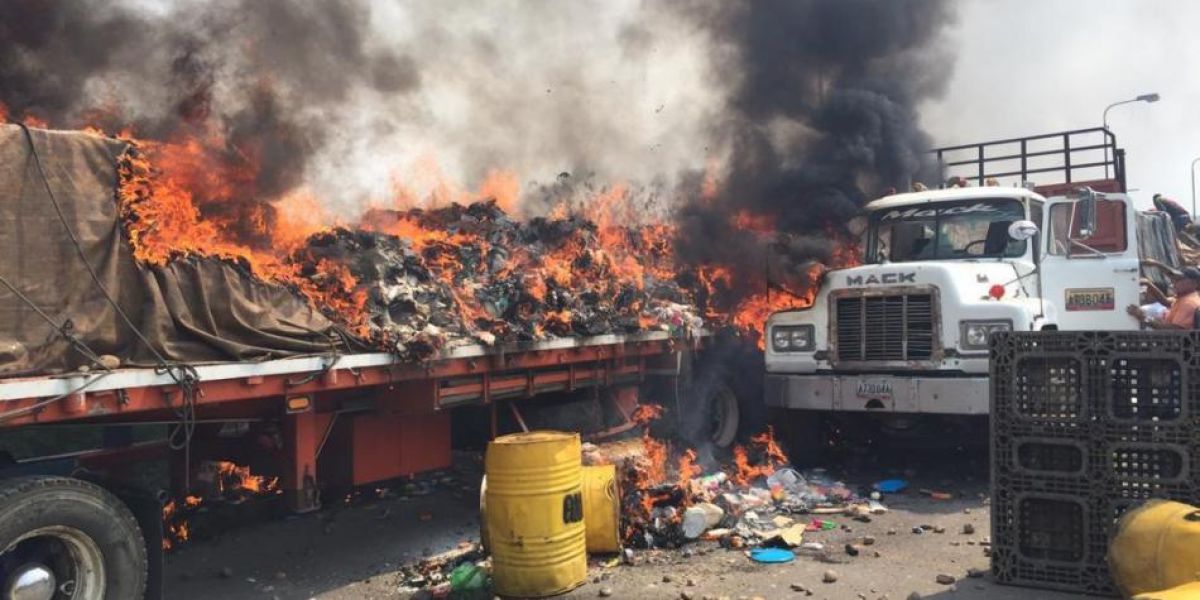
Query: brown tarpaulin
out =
(193, 310)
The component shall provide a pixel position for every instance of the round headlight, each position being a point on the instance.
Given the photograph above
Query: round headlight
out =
(780, 339)
(977, 335)
(800, 338)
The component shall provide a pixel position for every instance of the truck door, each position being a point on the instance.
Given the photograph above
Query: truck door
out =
(1091, 278)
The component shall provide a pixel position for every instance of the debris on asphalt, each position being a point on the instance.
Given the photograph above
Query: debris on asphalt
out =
(890, 486)
(772, 555)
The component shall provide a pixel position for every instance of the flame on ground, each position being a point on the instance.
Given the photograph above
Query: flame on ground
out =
(229, 480)
(769, 456)
(649, 482)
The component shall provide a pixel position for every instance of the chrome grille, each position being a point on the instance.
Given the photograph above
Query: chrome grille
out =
(885, 328)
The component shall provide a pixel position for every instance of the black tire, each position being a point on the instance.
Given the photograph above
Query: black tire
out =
(711, 413)
(71, 518)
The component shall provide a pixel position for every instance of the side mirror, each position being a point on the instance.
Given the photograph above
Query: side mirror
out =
(1085, 213)
(1022, 230)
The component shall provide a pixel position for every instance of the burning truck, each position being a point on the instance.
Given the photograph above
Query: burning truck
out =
(899, 345)
(314, 357)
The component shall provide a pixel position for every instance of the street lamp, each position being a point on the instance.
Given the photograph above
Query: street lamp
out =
(1193, 170)
(1147, 98)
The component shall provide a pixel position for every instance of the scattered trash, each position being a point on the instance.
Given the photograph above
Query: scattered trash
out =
(716, 534)
(821, 525)
(788, 479)
(468, 577)
(890, 486)
(790, 537)
(772, 555)
(699, 518)
(468, 561)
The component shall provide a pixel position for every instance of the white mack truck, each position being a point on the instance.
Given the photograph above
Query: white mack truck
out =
(901, 342)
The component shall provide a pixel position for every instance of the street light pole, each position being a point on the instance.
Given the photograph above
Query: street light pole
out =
(1193, 172)
(1147, 98)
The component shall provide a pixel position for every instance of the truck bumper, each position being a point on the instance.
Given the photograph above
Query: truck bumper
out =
(879, 393)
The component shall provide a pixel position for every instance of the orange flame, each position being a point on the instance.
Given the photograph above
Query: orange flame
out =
(235, 477)
(746, 471)
(230, 477)
(750, 221)
(688, 468)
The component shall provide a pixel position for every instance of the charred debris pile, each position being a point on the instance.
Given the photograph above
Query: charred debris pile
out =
(418, 281)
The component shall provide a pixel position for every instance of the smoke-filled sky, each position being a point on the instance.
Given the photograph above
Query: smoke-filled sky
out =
(1032, 67)
(804, 102)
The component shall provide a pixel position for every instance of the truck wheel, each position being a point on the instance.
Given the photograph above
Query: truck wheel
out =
(66, 538)
(711, 413)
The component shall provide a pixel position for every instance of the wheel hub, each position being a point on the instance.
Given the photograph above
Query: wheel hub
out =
(31, 582)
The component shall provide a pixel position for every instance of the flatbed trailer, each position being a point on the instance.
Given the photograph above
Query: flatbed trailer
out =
(349, 420)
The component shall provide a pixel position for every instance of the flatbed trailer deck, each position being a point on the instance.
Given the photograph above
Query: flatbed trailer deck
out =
(342, 420)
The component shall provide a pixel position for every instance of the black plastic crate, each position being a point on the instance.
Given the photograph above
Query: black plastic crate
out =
(1152, 463)
(1049, 388)
(1146, 389)
(1086, 425)
(1052, 541)
(1063, 465)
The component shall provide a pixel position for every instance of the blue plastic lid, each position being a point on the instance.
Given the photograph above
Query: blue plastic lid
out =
(772, 555)
(891, 486)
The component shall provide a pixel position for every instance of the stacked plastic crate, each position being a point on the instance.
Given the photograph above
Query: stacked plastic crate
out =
(1085, 425)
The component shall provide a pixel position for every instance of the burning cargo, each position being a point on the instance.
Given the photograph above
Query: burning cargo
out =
(409, 282)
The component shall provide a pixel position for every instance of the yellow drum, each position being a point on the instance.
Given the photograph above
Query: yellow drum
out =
(602, 508)
(534, 515)
(1187, 591)
(1157, 547)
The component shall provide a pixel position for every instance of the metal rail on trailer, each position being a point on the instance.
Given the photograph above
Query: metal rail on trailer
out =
(390, 405)
(1078, 158)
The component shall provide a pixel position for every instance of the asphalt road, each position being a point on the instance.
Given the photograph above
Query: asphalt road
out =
(354, 550)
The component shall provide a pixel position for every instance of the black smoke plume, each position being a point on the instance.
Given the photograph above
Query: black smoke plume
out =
(267, 77)
(822, 118)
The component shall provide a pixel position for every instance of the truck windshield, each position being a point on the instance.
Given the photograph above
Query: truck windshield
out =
(946, 231)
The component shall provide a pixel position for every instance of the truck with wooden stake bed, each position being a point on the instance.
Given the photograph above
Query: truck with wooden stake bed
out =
(899, 345)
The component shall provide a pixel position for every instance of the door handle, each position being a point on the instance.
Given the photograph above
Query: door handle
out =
(1129, 270)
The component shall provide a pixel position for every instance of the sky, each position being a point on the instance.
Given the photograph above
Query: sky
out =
(627, 90)
(1027, 67)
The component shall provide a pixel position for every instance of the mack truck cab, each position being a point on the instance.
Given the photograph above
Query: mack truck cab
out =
(901, 341)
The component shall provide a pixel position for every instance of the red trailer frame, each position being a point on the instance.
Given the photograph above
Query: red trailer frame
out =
(394, 417)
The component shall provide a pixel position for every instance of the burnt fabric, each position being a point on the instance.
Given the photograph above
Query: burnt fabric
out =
(192, 310)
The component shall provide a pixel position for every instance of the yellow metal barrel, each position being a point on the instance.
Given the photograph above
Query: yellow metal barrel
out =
(602, 508)
(534, 515)
(1157, 546)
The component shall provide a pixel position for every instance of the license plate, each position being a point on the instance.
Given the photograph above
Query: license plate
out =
(1091, 299)
(875, 390)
